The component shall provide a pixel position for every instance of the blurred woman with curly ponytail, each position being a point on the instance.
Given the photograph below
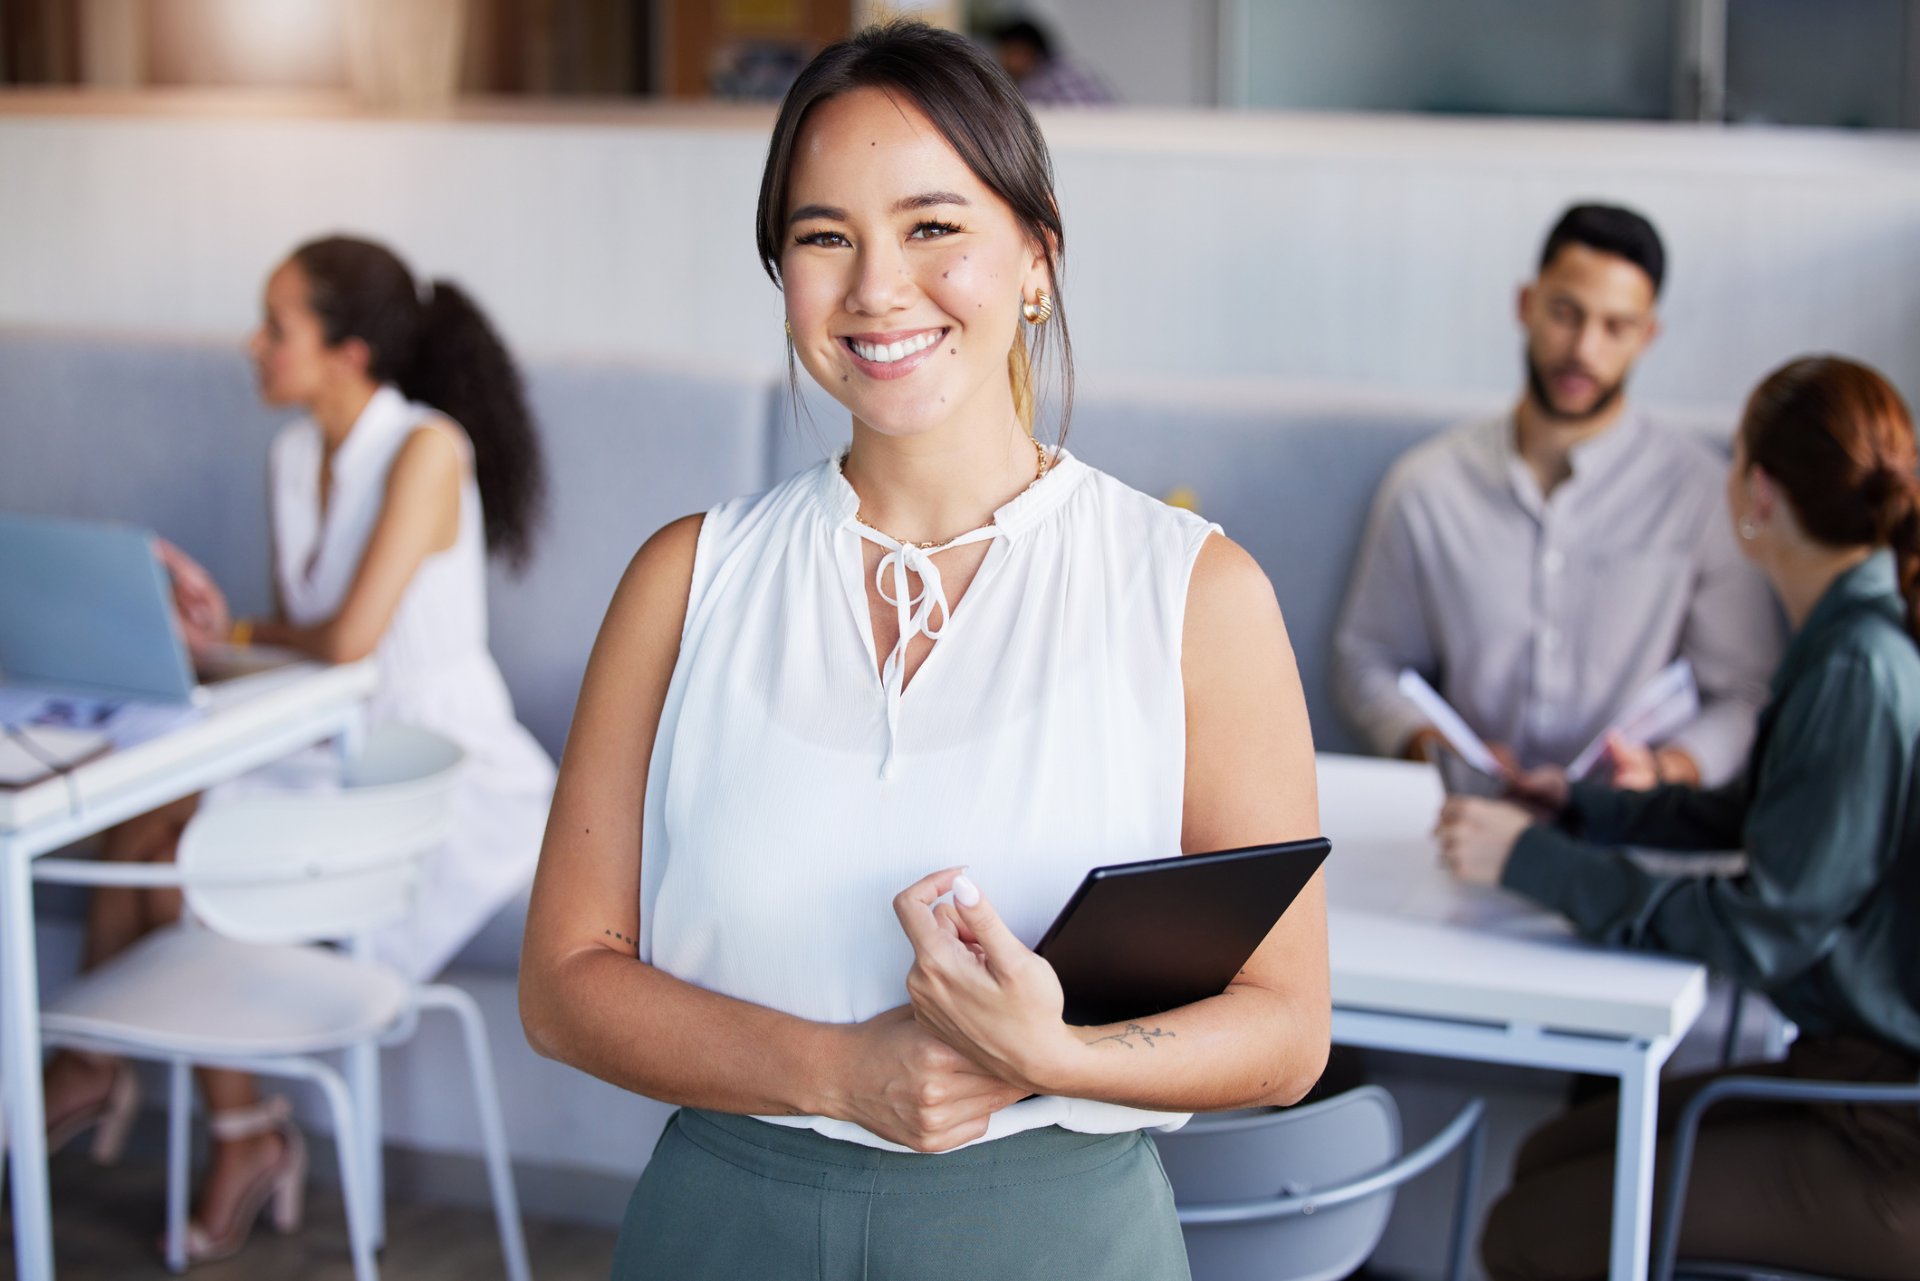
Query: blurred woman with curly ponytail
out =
(1825, 501)
(415, 459)
(434, 345)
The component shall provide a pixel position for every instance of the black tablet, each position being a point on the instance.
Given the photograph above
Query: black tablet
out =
(1139, 938)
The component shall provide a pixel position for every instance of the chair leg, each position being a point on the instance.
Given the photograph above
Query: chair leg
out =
(1736, 1016)
(493, 1131)
(363, 1078)
(179, 1159)
(1470, 1158)
(353, 1182)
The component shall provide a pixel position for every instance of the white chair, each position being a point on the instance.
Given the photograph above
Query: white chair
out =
(264, 878)
(1304, 1193)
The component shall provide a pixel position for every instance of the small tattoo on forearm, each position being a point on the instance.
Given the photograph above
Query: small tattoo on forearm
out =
(1135, 1032)
(616, 934)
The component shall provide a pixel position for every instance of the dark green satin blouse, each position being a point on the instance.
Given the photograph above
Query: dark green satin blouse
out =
(1826, 917)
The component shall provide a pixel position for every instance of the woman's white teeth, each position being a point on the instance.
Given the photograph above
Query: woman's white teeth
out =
(887, 353)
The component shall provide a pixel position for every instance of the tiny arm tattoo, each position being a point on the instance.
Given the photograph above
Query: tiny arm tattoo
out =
(1135, 1032)
(616, 934)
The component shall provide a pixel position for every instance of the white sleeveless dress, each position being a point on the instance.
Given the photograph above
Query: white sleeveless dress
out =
(435, 671)
(795, 788)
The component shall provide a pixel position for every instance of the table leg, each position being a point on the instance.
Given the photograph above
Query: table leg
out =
(363, 1061)
(20, 1067)
(1634, 1163)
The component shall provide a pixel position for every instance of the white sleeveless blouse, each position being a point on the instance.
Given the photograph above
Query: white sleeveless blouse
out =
(435, 670)
(795, 788)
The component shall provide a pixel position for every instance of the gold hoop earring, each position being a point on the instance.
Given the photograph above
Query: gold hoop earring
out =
(789, 327)
(1040, 310)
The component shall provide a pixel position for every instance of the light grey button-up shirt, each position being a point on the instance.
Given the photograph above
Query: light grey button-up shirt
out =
(1539, 617)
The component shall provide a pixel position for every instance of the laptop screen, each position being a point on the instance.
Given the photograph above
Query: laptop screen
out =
(85, 606)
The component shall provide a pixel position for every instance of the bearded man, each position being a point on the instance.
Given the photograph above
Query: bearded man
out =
(1541, 567)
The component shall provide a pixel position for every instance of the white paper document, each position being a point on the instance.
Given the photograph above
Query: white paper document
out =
(1663, 705)
(1439, 712)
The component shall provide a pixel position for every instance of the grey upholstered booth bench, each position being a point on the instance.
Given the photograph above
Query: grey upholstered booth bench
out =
(168, 434)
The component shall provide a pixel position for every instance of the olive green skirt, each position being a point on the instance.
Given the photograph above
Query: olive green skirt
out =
(735, 1198)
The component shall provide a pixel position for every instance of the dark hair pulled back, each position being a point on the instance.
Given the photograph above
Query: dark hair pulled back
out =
(442, 351)
(1836, 436)
(980, 113)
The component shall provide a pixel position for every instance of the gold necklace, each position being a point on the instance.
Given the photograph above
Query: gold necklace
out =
(1041, 465)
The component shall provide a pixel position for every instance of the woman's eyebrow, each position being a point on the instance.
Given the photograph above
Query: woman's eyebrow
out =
(828, 212)
(925, 200)
(928, 199)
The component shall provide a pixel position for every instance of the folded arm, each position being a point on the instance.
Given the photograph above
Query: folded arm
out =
(1249, 781)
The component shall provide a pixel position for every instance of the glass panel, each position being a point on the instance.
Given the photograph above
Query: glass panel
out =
(1502, 57)
(1838, 62)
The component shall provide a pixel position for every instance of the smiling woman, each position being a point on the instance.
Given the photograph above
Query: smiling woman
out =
(1009, 164)
(955, 660)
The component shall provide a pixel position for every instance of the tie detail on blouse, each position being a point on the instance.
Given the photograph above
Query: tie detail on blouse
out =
(922, 613)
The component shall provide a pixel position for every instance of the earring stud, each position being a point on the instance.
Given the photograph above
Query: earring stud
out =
(1749, 531)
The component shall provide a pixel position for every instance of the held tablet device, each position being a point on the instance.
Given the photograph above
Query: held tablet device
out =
(1139, 938)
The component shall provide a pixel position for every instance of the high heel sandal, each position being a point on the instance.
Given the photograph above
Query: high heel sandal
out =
(284, 1183)
(110, 1119)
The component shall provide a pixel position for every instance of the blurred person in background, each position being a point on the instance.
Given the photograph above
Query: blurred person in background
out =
(1541, 567)
(1825, 500)
(1047, 77)
(415, 460)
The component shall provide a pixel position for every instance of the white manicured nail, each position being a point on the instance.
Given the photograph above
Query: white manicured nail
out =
(965, 892)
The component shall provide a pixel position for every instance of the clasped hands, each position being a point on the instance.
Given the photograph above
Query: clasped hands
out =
(1476, 835)
(984, 1028)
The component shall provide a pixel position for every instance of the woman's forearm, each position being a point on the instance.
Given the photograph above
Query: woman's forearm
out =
(643, 1030)
(326, 641)
(1248, 1047)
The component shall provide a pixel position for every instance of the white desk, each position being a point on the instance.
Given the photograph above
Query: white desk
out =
(251, 722)
(1424, 965)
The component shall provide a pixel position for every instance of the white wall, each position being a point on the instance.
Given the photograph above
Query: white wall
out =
(1373, 250)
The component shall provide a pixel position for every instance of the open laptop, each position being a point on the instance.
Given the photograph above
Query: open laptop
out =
(86, 608)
